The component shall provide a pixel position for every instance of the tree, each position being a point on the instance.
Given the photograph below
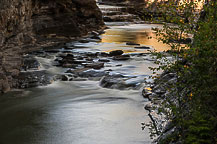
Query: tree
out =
(194, 93)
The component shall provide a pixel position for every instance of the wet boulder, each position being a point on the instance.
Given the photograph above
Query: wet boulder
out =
(104, 54)
(95, 37)
(104, 60)
(134, 82)
(118, 81)
(52, 51)
(95, 65)
(89, 59)
(64, 78)
(30, 63)
(67, 65)
(34, 78)
(116, 53)
(87, 73)
(83, 41)
(107, 19)
(92, 73)
(69, 58)
(77, 71)
(121, 57)
(146, 92)
(93, 55)
(131, 43)
(112, 82)
(142, 47)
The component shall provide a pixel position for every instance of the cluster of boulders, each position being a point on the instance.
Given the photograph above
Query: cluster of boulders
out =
(89, 59)
(91, 66)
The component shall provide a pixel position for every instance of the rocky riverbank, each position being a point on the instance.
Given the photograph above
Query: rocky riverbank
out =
(29, 25)
(160, 91)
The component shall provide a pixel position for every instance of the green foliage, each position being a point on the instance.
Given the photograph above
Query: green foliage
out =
(199, 129)
(194, 94)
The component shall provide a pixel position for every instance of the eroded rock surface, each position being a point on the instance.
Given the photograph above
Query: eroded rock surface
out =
(26, 25)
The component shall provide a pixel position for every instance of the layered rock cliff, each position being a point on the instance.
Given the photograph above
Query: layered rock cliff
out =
(26, 25)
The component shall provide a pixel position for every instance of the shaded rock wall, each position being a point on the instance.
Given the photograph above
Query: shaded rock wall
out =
(26, 25)
(129, 1)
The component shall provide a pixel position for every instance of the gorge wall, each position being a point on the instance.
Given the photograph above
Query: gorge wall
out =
(26, 25)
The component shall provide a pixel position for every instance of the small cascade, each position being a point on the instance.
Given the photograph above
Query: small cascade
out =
(117, 14)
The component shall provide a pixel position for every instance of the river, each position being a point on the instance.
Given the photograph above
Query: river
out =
(82, 112)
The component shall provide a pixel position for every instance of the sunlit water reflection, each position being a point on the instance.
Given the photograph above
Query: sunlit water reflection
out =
(135, 33)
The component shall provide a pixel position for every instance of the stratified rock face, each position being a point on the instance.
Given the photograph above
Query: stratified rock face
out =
(26, 24)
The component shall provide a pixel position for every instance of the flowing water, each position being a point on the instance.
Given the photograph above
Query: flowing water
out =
(82, 112)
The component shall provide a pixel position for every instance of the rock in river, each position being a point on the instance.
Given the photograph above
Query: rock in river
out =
(142, 47)
(104, 60)
(95, 65)
(116, 53)
(121, 57)
(131, 43)
(33, 79)
(118, 81)
(30, 63)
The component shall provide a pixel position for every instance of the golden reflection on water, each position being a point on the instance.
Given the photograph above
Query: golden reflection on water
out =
(139, 36)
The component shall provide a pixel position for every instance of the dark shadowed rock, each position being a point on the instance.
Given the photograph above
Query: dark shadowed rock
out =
(83, 41)
(91, 73)
(111, 82)
(118, 65)
(96, 37)
(116, 53)
(33, 79)
(142, 47)
(95, 65)
(64, 78)
(146, 93)
(118, 81)
(107, 19)
(77, 71)
(93, 55)
(104, 60)
(30, 63)
(67, 65)
(131, 43)
(52, 51)
(104, 54)
(121, 57)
